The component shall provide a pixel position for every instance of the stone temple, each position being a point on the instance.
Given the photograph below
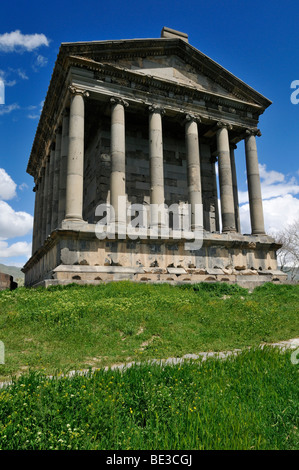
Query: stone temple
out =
(124, 163)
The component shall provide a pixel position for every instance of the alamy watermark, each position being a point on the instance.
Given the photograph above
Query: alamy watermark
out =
(295, 356)
(151, 221)
(295, 94)
(2, 92)
(2, 353)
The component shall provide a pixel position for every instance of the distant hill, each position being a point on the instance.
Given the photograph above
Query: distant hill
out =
(14, 271)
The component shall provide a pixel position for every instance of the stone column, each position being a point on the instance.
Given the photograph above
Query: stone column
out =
(118, 161)
(50, 192)
(193, 168)
(35, 234)
(55, 198)
(225, 180)
(40, 209)
(235, 186)
(254, 184)
(156, 166)
(63, 167)
(75, 159)
(45, 201)
(215, 191)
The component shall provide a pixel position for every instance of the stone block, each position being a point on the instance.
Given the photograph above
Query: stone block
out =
(7, 282)
(176, 271)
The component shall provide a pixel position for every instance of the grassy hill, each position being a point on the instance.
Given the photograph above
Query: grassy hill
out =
(245, 402)
(74, 327)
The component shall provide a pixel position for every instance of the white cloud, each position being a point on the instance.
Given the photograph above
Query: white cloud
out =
(8, 109)
(12, 223)
(23, 186)
(278, 213)
(18, 42)
(7, 186)
(12, 72)
(273, 184)
(38, 110)
(22, 74)
(281, 207)
(14, 250)
(33, 116)
(10, 82)
(41, 61)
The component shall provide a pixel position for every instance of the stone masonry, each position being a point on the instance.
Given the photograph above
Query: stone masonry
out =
(7, 282)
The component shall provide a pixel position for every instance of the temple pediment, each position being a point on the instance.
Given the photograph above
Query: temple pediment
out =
(171, 60)
(175, 70)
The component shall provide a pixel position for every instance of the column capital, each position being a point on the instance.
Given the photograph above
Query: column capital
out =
(223, 124)
(117, 100)
(255, 132)
(232, 145)
(190, 117)
(154, 108)
(78, 91)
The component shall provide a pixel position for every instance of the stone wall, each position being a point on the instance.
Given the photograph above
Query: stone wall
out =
(98, 169)
(7, 282)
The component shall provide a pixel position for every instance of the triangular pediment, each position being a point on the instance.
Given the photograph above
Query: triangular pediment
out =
(173, 69)
(168, 59)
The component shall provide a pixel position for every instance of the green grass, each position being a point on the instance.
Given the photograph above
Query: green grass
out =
(246, 402)
(74, 327)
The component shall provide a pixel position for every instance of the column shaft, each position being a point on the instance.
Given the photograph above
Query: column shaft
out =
(194, 176)
(118, 161)
(63, 168)
(50, 192)
(75, 161)
(156, 166)
(225, 181)
(215, 191)
(55, 192)
(45, 202)
(254, 186)
(40, 209)
(235, 187)
(35, 234)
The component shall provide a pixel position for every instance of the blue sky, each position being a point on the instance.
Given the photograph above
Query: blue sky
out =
(256, 41)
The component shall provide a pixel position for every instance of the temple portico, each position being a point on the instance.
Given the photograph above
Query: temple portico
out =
(146, 122)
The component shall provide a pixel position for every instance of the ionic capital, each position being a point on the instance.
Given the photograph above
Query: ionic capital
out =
(78, 91)
(226, 125)
(192, 118)
(256, 132)
(154, 108)
(116, 100)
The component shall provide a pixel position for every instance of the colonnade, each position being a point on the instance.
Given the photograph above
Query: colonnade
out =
(59, 190)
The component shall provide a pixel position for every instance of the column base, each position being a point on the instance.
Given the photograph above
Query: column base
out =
(73, 223)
